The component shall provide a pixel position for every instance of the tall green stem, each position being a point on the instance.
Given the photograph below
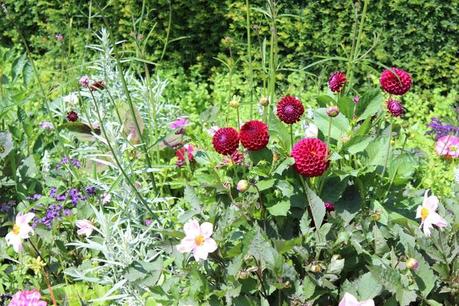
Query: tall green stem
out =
(272, 59)
(249, 54)
(388, 150)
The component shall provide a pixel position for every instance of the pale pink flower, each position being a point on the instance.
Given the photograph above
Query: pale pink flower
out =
(46, 125)
(21, 230)
(179, 124)
(106, 198)
(448, 146)
(428, 215)
(85, 227)
(197, 240)
(84, 81)
(350, 300)
(27, 298)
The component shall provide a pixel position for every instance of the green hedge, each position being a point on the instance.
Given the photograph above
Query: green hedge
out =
(419, 35)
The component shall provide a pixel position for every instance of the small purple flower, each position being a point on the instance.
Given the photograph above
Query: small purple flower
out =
(148, 222)
(62, 197)
(84, 81)
(59, 37)
(440, 129)
(356, 99)
(67, 212)
(74, 196)
(35, 197)
(52, 192)
(179, 125)
(7, 206)
(76, 163)
(91, 191)
(46, 125)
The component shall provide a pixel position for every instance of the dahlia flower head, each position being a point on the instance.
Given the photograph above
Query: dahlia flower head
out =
(72, 116)
(290, 109)
(226, 141)
(395, 81)
(448, 146)
(311, 157)
(27, 298)
(337, 81)
(254, 135)
(395, 107)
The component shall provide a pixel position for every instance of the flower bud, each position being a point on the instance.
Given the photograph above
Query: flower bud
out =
(315, 268)
(329, 207)
(242, 185)
(264, 101)
(412, 264)
(376, 216)
(234, 103)
(333, 111)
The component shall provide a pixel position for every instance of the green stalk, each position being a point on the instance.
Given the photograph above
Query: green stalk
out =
(115, 156)
(291, 136)
(131, 107)
(388, 150)
(272, 60)
(249, 53)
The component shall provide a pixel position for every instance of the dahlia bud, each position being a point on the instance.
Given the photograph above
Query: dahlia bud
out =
(412, 263)
(333, 111)
(336, 257)
(337, 81)
(376, 216)
(315, 268)
(395, 107)
(242, 185)
(329, 207)
(264, 101)
(72, 116)
(234, 103)
(237, 157)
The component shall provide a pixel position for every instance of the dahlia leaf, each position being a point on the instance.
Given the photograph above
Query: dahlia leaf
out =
(339, 125)
(370, 103)
(346, 106)
(280, 209)
(325, 101)
(317, 207)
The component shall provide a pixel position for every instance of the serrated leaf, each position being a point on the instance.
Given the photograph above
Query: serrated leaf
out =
(367, 287)
(346, 106)
(260, 248)
(317, 207)
(380, 244)
(309, 286)
(289, 161)
(280, 209)
(370, 103)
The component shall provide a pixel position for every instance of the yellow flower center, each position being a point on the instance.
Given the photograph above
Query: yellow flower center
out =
(424, 213)
(199, 240)
(16, 229)
(453, 148)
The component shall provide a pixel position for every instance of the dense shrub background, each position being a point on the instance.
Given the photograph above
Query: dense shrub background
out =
(422, 36)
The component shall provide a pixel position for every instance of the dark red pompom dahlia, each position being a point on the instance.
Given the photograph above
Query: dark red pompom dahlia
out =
(337, 81)
(226, 141)
(395, 81)
(311, 157)
(395, 107)
(254, 135)
(289, 109)
(72, 116)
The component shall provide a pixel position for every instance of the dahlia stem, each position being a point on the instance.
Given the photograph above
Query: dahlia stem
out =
(329, 129)
(117, 161)
(249, 53)
(45, 274)
(388, 150)
(238, 119)
(291, 136)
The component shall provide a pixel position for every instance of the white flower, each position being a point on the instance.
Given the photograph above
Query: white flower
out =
(350, 300)
(21, 230)
(428, 215)
(85, 227)
(106, 198)
(6, 144)
(311, 131)
(71, 99)
(197, 240)
(46, 125)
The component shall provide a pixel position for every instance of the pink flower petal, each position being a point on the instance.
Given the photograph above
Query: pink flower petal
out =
(207, 229)
(186, 245)
(210, 245)
(430, 202)
(437, 220)
(192, 228)
(348, 300)
(200, 253)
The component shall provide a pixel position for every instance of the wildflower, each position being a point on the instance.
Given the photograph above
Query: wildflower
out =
(428, 215)
(21, 230)
(53, 212)
(395, 107)
(197, 240)
(333, 111)
(395, 81)
(7, 206)
(6, 144)
(84, 81)
(289, 109)
(337, 81)
(37, 265)
(242, 186)
(356, 99)
(67, 212)
(412, 264)
(183, 154)
(179, 124)
(254, 135)
(75, 162)
(91, 190)
(72, 116)
(71, 99)
(311, 131)
(448, 146)
(59, 37)
(46, 125)
(350, 300)
(106, 198)
(27, 297)
(264, 101)
(225, 141)
(85, 227)
(329, 207)
(440, 129)
(311, 157)
(234, 103)
(148, 222)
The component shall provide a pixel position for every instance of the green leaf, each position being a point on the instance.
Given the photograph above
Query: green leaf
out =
(370, 103)
(280, 209)
(325, 101)
(286, 188)
(377, 151)
(402, 168)
(358, 144)
(346, 106)
(424, 276)
(380, 243)
(191, 197)
(265, 184)
(348, 206)
(289, 161)
(309, 286)
(367, 287)
(317, 207)
(339, 125)
(260, 248)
